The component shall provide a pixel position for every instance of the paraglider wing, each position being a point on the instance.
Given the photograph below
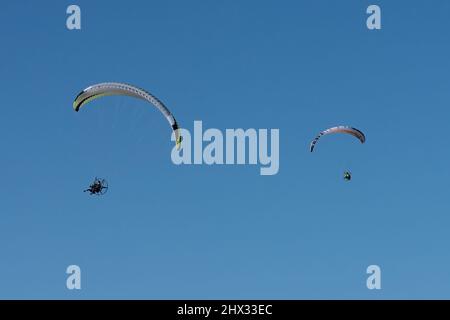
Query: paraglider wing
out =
(114, 88)
(340, 129)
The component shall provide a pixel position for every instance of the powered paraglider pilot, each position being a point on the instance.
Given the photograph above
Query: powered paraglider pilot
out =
(347, 176)
(98, 187)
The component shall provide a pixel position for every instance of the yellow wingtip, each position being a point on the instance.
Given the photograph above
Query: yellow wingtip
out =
(178, 142)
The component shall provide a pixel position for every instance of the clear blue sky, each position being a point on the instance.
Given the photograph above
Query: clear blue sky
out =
(207, 232)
